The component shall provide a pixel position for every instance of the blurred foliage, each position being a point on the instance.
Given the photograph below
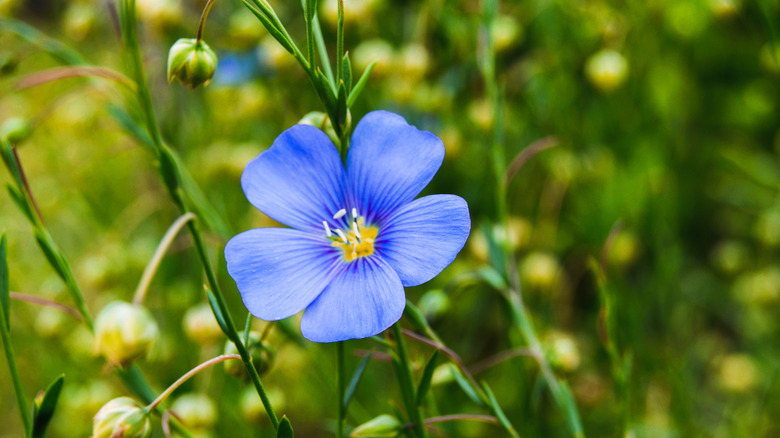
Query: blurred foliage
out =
(666, 117)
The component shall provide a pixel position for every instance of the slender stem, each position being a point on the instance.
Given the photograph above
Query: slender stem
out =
(203, 16)
(26, 186)
(446, 350)
(323, 50)
(406, 380)
(187, 376)
(340, 43)
(46, 302)
(309, 33)
(462, 417)
(9, 355)
(341, 383)
(159, 253)
(232, 335)
(130, 34)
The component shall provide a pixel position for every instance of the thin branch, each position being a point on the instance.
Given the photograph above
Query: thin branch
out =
(159, 253)
(46, 302)
(528, 153)
(497, 358)
(189, 374)
(446, 350)
(57, 73)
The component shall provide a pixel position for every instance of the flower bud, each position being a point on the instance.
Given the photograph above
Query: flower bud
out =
(381, 426)
(262, 356)
(562, 351)
(15, 130)
(539, 270)
(121, 417)
(606, 70)
(196, 411)
(124, 332)
(201, 326)
(192, 62)
(322, 122)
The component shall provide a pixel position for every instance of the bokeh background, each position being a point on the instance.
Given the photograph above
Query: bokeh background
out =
(665, 119)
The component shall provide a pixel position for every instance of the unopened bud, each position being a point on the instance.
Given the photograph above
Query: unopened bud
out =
(262, 356)
(606, 70)
(192, 62)
(124, 332)
(15, 130)
(121, 418)
(381, 426)
(201, 326)
(562, 351)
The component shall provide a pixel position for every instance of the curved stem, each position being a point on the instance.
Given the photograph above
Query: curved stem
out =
(46, 302)
(203, 16)
(159, 253)
(189, 374)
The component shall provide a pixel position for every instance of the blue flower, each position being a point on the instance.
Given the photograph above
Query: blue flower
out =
(357, 235)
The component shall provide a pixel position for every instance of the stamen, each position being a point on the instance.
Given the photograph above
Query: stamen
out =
(354, 213)
(327, 228)
(355, 229)
(340, 213)
(341, 234)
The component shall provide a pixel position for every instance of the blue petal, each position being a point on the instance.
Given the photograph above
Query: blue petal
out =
(363, 300)
(389, 163)
(280, 271)
(299, 180)
(423, 237)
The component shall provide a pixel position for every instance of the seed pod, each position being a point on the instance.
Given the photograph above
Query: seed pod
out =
(262, 356)
(191, 62)
(124, 332)
(121, 418)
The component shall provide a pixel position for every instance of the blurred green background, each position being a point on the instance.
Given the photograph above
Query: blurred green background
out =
(665, 118)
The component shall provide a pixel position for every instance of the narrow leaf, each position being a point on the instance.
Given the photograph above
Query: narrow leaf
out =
(346, 73)
(10, 161)
(326, 92)
(570, 409)
(51, 253)
(353, 383)
(270, 27)
(44, 411)
(5, 294)
(217, 312)
(285, 429)
(361, 83)
(407, 396)
(341, 105)
(425, 380)
(465, 385)
(497, 410)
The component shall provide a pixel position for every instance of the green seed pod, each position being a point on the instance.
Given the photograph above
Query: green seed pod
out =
(196, 411)
(192, 62)
(201, 326)
(124, 332)
(262, 356)
(606, 70)
(15, 130)
(381, 426)
(121, 418)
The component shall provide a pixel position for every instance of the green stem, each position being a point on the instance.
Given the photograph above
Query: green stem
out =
(203, 16)
(341, 383)
(130, 34)
(9, 355)
(323, 50)
(405, 378)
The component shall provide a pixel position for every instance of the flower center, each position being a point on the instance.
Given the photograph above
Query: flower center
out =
(352, 235)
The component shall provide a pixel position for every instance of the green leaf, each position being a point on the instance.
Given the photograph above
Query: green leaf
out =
(285, 429)
(20, 202)
(361, 83)
(570, 409)
(271, 27)
(218, 313)
(325, 91)
(51, 253)
(497, 410)
(353, 383)
(10, 162)
(346, 72)
(169, 170)
(43, 411)
(5, 294)
(466, 386)
(425, 380)
(341, 105)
